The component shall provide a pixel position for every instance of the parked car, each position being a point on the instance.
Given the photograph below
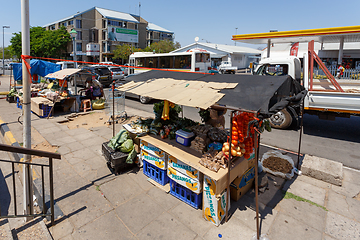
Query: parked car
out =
(7, 66)
(82, 77)
(117, 73)
(103, 72)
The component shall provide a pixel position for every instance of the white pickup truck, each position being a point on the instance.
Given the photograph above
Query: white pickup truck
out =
(326, 98)
(226, 67)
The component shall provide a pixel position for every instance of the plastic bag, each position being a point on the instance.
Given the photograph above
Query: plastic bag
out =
(98, 104)
(130, 158)
(280, 155)
(127, 146)
(118, 139)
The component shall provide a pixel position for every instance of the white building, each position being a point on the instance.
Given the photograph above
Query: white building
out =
(328, 52)
(239, 56)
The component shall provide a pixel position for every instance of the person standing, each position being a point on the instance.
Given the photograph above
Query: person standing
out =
(340, 71)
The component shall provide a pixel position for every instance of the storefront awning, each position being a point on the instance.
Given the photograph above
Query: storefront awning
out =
(63, 73)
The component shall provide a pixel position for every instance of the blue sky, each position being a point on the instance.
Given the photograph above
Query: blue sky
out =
(212, 21)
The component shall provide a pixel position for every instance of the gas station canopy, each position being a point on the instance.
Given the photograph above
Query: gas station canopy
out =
(322, 35)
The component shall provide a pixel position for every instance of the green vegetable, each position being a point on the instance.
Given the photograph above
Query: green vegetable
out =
(205, 115)
(127, 146)
(118, 139)
(267, 125)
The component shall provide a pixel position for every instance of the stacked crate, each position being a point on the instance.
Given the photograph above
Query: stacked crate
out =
(185, 182)
(155, 162)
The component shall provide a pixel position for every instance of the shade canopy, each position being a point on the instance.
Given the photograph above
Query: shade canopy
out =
(63, 73)
(39, 67)
(265, 94)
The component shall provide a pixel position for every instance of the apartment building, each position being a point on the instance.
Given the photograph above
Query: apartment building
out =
(100, 30)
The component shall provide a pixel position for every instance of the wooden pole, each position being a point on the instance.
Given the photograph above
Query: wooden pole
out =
(228, 173)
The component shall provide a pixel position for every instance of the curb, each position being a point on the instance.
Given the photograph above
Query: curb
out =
(37, 181)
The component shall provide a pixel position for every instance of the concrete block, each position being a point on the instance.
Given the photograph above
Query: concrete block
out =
(323, 169)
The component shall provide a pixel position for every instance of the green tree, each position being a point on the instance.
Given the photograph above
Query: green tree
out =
(163, 46)
(123, 52)
(7, 53)
(43, 43)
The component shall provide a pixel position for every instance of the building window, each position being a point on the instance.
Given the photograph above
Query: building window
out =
(52, 27)
(103, 35)
(103, 47)
(136, 26)
(78, 47)
(114, 23)
(71, 22)
(125, 24)
(78, 23)
(79, 35)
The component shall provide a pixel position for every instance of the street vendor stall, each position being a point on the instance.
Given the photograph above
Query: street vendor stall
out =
(250, 99)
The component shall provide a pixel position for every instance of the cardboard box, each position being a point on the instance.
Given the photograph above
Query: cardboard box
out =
(251, 162)
(184, 168)
(191, 158)
(242, 184)
(237, 193)
(188, 182)
(214, 207)
(39, 104)
(149, 148)
(154, 160)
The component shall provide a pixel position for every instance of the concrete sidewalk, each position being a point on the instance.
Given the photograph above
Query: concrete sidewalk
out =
(99, 205)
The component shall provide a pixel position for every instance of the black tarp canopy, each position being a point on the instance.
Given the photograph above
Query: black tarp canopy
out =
(265, 94)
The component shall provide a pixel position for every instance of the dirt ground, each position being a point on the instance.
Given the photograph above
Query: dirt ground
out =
(87, 121)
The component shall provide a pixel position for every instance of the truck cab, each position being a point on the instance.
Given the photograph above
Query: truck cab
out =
(280, 66)
(277, 67)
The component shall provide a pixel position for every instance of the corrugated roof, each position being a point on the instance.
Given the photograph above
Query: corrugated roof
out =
(105, 12)
(221, 47)
(116, 15)
(154, 27)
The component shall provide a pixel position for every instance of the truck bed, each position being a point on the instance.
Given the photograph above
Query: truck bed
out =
(324, 97)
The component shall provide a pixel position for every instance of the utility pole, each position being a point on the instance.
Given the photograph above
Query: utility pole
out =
(235, 34)
(27, 173)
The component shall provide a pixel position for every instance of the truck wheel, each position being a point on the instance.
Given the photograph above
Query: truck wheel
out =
(281, 120)
(144, 99)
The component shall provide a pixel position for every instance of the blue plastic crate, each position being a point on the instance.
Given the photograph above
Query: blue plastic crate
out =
(185, 194)
(46, 109)
(155, 173)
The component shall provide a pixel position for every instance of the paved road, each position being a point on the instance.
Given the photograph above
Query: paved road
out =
(335, 140)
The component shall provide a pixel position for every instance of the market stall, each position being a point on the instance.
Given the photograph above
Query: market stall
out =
(197, 171)
(46, 96)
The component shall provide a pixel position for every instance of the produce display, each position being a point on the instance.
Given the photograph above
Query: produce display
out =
(141, 126)
(200, 143)
(213, 160)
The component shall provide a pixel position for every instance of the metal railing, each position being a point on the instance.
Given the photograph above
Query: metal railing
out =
(350, 73)
(39, 153)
